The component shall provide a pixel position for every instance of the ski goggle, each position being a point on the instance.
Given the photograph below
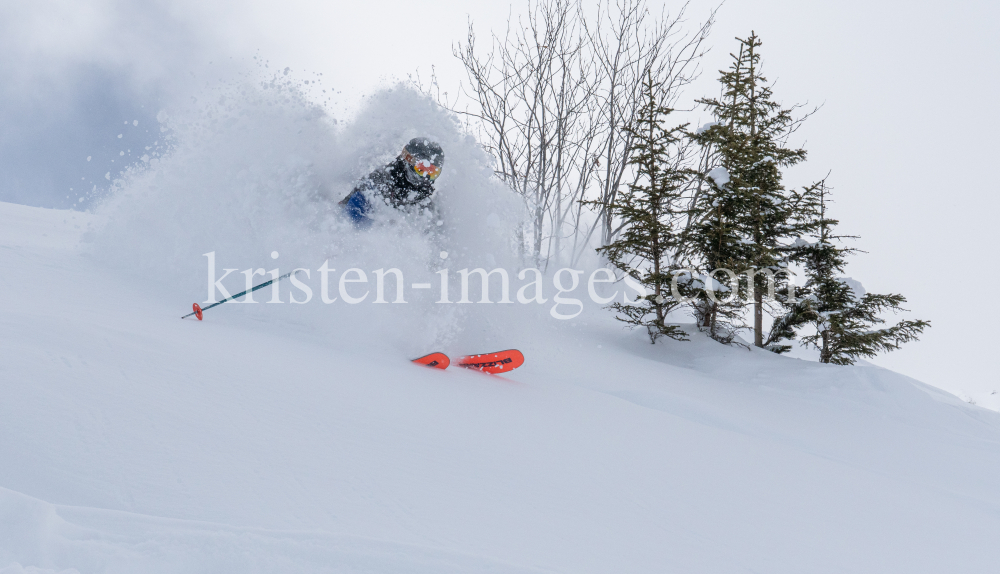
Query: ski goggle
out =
(425, 168)
(422, 167)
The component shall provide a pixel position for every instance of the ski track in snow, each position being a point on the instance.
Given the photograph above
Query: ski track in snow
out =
(283, 438)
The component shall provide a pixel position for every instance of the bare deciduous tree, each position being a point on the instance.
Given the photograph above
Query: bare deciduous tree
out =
(631, 45)
(555, 100)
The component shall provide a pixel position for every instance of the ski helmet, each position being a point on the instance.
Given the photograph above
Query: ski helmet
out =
(425, 158)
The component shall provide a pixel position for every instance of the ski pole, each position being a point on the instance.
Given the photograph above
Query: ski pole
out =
(198, 310)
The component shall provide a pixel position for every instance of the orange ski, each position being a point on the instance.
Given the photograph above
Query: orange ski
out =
(436, 360)
(499, 362)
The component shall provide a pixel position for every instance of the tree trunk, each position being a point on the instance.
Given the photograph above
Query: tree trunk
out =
(709, 319)
(758, 317)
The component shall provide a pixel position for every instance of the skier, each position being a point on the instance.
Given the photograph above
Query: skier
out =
(406, 182)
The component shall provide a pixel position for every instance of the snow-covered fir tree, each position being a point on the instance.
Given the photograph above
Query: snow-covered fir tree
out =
(647, 245)
(845, 318)
(744, 218)
(711, 241)
(789, 312)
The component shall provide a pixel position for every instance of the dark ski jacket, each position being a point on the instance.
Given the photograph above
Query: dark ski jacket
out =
(390, 184)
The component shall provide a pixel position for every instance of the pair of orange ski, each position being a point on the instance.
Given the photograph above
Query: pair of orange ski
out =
(495, 363)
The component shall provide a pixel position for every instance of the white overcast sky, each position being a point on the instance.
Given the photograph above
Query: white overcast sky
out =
(908, 123)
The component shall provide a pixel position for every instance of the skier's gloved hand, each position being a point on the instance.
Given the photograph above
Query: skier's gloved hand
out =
(356, 207)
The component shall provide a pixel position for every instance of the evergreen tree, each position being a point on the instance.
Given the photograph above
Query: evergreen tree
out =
(792, 313)
(647, 244)
(745, 218)
(711, 241)
(844, 319)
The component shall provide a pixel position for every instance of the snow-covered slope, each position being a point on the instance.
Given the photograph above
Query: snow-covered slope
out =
(299, 438)
(131, 441)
